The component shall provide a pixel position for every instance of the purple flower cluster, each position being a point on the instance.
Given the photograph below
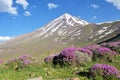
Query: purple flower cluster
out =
(26, 59)
(104, 70)
(104, 50)
(26, 62)
(111, 44)
(104, 53)
(68, 54)
(1, 62)
(26, 56)
(115, 46)
(94, 52)
(85, 50)
(12, 59)
(20, 62)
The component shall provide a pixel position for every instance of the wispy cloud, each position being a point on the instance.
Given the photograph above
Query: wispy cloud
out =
(79, 16)
(94, 17)
(5, 38)
(34, 6)
(7, 6)
(115, 3)
(27, 13)
(95, 6)
(24, 3)
(52, 5)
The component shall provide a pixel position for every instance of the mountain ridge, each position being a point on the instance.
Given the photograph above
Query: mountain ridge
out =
(66, 30)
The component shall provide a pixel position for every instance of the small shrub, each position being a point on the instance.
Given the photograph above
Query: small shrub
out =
(74, 55)
(115, 46)
(86, 51)
(67, 56)
(93, 47)
(82, 58)
(70, 56)
(107, 72)
(104, 53)
(19, 63)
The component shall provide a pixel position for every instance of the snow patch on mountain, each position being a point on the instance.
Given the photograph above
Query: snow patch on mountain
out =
(71, 20)
(57, 27)
(102, 30)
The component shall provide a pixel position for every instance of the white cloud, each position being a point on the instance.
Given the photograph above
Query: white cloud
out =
(52, 5)
(94, 6)
(94, 17)
(5, 38)
(6, 6)
(27, 13)
(24, 3)
(115, 3)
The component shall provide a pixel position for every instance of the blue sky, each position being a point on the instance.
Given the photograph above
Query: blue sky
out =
(18, 17)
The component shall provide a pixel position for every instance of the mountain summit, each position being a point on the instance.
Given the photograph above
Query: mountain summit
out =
(63, 31)
(62, 26)
(72, 20)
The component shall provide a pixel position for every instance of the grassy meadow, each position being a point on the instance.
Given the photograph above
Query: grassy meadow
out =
(15, 70)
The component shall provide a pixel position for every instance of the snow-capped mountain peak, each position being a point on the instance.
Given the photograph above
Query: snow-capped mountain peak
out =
(71, 27)
(67, 15)
(62, 25)
(71, 19)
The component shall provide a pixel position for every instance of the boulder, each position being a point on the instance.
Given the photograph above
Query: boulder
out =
(39, 78)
